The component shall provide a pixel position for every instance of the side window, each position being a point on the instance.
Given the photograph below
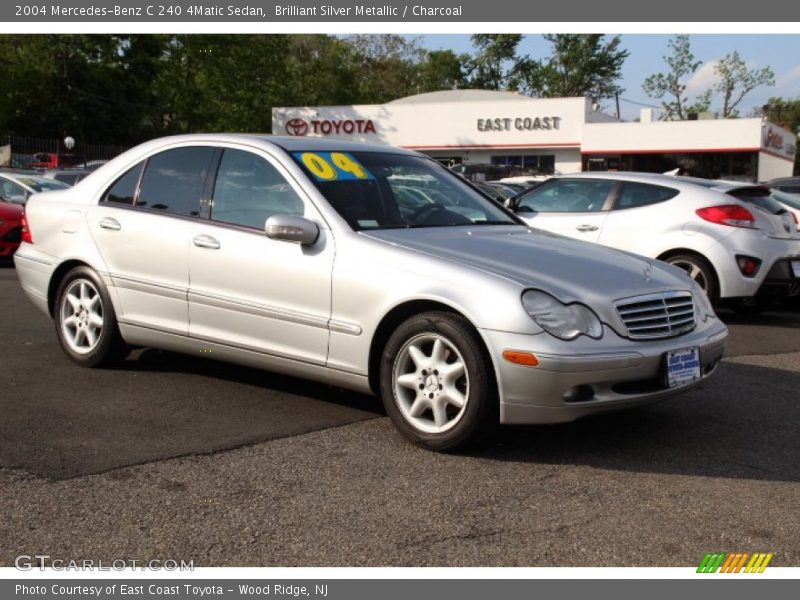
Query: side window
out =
(568, 195)
(634, 195)
(123, 189)
(173, 180)
(248, 190)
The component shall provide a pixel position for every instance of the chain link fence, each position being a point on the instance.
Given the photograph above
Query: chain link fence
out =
(22, 152)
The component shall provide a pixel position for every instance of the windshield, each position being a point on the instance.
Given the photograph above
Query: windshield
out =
(42, 184)
(375, 190)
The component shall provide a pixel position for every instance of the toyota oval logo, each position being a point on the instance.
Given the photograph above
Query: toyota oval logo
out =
(296, 127)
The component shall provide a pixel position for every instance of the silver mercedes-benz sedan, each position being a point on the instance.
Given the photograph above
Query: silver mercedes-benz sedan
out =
(366, 267)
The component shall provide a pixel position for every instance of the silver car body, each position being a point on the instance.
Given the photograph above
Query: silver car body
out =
(320, 311)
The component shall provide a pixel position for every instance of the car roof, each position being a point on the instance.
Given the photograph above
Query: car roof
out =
(784, 180)
(679, 181)
(287, 143)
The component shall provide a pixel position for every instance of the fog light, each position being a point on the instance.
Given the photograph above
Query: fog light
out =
(579, 393)
(748, 265)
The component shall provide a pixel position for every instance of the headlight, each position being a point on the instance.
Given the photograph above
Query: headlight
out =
(704, 309)
(564, 321)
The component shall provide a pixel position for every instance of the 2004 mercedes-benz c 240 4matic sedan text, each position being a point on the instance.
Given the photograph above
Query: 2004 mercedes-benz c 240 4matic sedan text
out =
(367, 267)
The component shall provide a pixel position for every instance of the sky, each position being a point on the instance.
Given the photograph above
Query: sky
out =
(780, 52)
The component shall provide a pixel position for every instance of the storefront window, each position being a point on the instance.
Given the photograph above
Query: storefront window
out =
(527, 162)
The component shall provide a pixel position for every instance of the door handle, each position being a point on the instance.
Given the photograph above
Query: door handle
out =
(587, 228)
(206, 241)
(110, 223)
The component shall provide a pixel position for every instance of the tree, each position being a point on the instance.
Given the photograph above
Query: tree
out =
(442, 70)
(736, 81)
(786, 113)
(580, 65)
(682, 65)
(387, 66)
(488, 67)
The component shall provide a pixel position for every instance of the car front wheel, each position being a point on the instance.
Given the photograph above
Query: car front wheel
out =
(437, 382)
(699, 270)
(85, 322)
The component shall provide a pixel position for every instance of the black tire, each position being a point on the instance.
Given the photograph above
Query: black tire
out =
(700, 270)
(751, 307)
(109, 347)
(478, 417)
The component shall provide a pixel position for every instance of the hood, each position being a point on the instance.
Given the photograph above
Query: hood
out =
(571, 270)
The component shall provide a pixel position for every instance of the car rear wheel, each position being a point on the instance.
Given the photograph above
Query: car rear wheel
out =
(437, 382)
(85, 322)
(699, 270)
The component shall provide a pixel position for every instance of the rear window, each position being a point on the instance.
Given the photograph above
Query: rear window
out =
(633, 194)
(759, 197)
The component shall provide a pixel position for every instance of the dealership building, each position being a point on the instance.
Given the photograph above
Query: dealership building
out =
(561, 135)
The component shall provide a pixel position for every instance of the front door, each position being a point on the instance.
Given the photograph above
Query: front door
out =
(575, 208)
(250, 291)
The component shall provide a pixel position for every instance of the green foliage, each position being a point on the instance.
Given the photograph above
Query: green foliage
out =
(443, 70)
(488, 68)
(682, 64)
(786, 113)
(124, 89)
(580, 65)
(734, 81)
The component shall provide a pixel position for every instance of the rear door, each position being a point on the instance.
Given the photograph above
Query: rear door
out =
(142, 226)
(640, 213)
(575, 208)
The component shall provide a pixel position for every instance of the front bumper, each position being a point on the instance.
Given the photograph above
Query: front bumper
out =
(614, 372)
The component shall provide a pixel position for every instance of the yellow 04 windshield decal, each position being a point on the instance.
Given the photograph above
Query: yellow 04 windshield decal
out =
(333, 166)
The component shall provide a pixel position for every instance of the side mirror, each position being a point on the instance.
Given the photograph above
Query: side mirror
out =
(523, 209)
(291, 228)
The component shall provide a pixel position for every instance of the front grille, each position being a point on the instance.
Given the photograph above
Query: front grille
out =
(13, 236)
(657, 315)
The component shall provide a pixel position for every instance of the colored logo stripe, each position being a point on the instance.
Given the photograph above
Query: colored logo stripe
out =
(735, 562)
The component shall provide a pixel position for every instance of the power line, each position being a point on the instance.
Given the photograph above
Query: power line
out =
(638, 103)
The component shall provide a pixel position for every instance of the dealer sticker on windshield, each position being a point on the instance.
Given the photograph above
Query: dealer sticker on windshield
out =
(333, 166)
(683, 367)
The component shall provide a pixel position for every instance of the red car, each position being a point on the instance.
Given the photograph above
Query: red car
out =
(10, 228)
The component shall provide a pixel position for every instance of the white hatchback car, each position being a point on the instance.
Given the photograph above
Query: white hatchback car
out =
(741, 246)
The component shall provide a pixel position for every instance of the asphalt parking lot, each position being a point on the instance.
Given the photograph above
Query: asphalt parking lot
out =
(185, 458)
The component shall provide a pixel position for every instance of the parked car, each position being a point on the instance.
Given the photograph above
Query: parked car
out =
(18, 186)
(790, 202)
(295, 255)
(525, 180)
(10, 228)
(68, 176)
(787, 185)
(731, 238)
